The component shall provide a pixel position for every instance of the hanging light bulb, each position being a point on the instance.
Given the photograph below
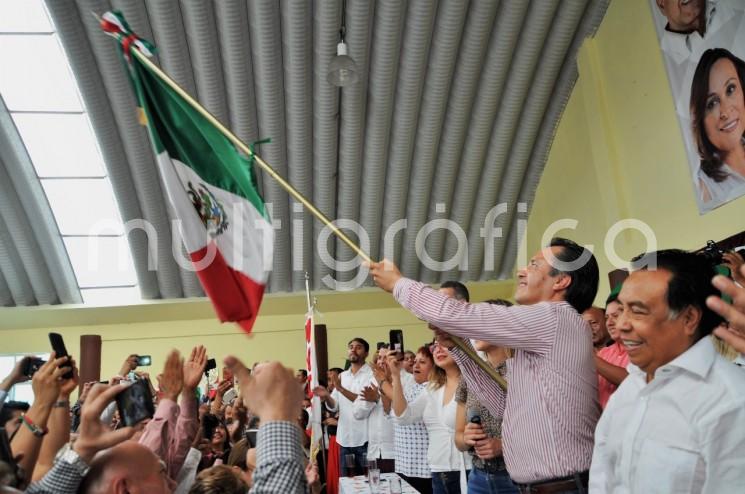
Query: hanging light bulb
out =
(342, 69)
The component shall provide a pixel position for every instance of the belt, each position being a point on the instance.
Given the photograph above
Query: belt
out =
(577, 481)
(493, 465)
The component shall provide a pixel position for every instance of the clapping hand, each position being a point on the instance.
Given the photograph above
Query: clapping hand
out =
(370, 393)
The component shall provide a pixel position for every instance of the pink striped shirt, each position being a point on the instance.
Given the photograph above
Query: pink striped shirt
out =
(552, 408)
(616, 355)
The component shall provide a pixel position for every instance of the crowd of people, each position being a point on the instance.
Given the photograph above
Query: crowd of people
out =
(646, 394)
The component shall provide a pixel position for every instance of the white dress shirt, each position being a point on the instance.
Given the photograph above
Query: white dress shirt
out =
(380, 442)
(442, 454)
(351, 431)
(683, 432)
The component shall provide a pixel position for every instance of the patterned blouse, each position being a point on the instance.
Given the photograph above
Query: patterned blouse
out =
(411, 441)
(492, 425)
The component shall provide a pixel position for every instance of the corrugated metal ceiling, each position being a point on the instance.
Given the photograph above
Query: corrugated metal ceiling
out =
(454, 113)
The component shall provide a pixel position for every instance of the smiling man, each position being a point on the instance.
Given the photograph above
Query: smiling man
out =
(595, 317)
(675, 424)
(551, 410)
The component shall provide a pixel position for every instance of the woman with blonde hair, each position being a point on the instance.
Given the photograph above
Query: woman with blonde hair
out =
(437, 408)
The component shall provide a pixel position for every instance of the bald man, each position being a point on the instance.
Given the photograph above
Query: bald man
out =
(595, 317)
(127, 468)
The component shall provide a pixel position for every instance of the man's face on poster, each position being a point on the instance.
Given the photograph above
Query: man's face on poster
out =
(682, 15)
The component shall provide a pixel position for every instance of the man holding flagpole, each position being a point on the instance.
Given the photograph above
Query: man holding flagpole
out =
(551, 409)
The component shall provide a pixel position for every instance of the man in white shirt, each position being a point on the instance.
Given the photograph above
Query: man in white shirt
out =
(376, 406)
(675, 423)
(351, 432)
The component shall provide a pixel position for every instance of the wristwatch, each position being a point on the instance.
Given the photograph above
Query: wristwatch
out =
(68, 455)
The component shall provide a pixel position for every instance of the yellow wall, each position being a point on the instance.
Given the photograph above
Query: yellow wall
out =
(619, 152)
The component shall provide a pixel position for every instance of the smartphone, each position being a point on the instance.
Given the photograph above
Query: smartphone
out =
(31, 365)
(6, 456)
(210, 423)
(251, 437)
(58, 345)
(397, 341)
(143, 360)
(135, 403)
(211, 364)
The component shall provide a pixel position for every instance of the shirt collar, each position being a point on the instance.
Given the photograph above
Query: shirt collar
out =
(698, 359)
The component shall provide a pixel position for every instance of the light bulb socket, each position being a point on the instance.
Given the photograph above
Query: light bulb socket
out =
(341, 48)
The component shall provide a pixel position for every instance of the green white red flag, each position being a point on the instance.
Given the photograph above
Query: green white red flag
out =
(223, 220)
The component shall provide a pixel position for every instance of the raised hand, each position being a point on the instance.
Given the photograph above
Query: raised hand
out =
(394, 364)
(194, 368)
(735, 313)
(385, 274)
(47, 381)
(94, 435)
(16, 375)
(129, 364)
(237, 368)
(735, 262)
(223, 387)
(69, 385)
(172, 379)
(273, 393)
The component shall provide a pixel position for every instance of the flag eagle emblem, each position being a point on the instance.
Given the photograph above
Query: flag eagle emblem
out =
(209, 209)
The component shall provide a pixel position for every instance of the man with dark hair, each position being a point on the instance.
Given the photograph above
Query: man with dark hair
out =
(612, 360)
(456, 290)
(351, 430)
(595, 317)
(10, 415)
(551, 410)
(675, 423)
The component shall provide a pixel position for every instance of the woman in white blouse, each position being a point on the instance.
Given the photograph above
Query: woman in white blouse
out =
(437, 408)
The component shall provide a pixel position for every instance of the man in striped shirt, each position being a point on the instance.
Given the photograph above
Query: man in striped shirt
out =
(551, 410)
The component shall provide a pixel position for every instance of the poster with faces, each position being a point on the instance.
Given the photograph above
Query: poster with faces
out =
(703, 46)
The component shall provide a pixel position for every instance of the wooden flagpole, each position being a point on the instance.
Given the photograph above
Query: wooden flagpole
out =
(294, 193)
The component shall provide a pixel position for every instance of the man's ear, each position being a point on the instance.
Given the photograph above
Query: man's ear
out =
(562, 282)
(691, 318)
(661, 5)
(119, 486)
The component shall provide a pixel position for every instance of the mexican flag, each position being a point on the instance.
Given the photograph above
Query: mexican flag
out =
(223, 220)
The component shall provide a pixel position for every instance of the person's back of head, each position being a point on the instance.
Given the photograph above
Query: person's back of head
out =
(220, 479)
(460, 292)
(11, 409)
(581, 266)
(127, 467)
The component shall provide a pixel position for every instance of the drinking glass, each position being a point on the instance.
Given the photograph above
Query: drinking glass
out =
(395, 485)
(349, 465)
(373, 477)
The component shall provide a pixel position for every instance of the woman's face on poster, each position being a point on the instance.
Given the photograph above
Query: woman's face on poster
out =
(724, 122)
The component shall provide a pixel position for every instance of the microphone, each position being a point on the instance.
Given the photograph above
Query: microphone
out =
(473, 416)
